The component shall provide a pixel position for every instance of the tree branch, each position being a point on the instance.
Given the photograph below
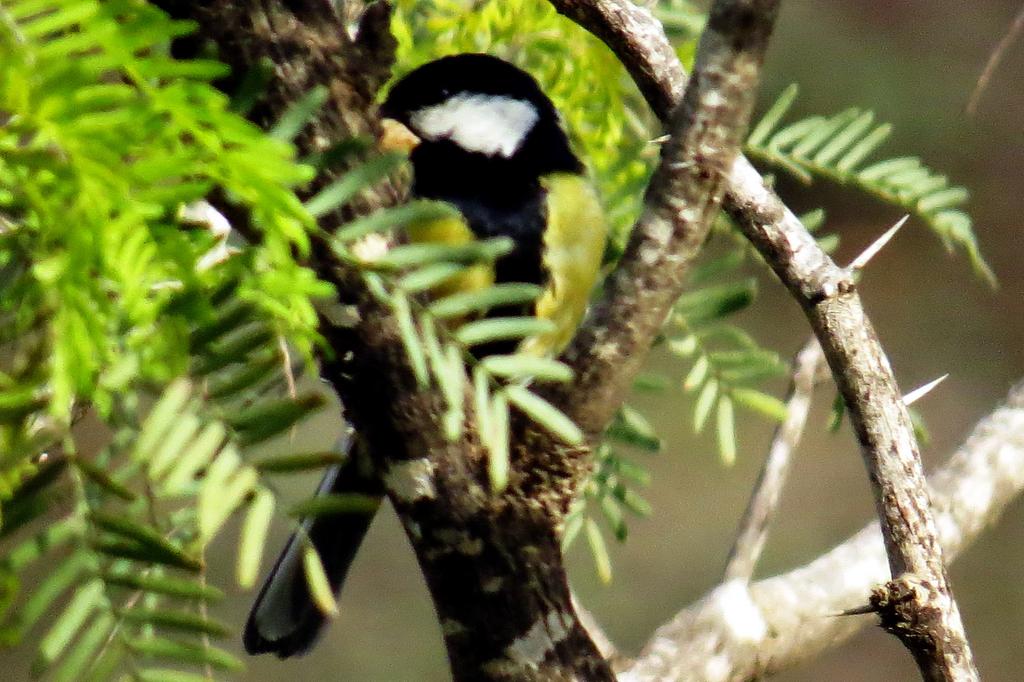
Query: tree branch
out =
(735, 633)
(920, 606)
(767, 491)
(683, 198)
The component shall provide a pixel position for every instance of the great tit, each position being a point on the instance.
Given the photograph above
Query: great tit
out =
(482, 136)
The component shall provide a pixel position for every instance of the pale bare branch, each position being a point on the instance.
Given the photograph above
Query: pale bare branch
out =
(741, 633)
(764, 501)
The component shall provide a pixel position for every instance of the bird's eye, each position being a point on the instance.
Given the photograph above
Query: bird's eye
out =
(445, 93)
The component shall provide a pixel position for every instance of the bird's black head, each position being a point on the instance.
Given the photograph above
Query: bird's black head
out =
(482, 126)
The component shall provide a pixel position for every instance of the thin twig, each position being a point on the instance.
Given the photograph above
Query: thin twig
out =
(933, 632)
(765, 500)
(994, 60)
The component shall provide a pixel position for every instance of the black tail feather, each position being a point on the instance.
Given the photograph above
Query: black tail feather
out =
(284, 619)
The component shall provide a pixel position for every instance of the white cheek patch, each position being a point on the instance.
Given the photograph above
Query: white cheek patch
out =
(488, 124)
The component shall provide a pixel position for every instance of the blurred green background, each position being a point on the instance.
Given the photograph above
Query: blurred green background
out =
(915, 63)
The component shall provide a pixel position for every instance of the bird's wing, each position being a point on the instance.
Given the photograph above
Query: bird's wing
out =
(574, 243)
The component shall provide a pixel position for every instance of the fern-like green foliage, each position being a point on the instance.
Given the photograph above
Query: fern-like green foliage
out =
(122, 293)
(104, 300)
(840, 147)
(612, 489)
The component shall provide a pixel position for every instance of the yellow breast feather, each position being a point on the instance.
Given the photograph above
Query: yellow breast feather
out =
(452, 230)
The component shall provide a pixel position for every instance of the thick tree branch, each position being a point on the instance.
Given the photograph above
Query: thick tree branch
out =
(927, 618)
(738, 633)
(764, 502)
(682, 200)
(918, 603)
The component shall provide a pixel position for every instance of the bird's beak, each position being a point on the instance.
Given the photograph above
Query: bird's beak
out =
(396, 137)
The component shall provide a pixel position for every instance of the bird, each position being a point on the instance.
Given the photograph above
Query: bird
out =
(482, 136)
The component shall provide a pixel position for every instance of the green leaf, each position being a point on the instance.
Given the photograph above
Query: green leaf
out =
(152, 545)
(410, 339)
(613, 515)
(633, 501)
(450, 373)
(234, 348)
(253, 86)
(461, 304)
(129, 549)
(429, 276)
(773, 116)
(835, 419)
(195, 457)
(853, 131)
(697, 374)
(184, 621)
(271, 417)
(171, 447)
(162, 584)
(232, 382)
(162, 417)
(58, 579)
(56, 535)
(390, 218)
(254, 537)
(864, 148)
(502, 329)
(418, 255)
(319, 586)
(521, 366)
(81, 656)
(702, 408)
(100, 478)
(632, 428)
(67, 625)
(169, 675)
(287, 464)
(599, 551)
(336, 503)
(765, 404)
(544, 414)
(726, 428)
(573, 526)
(230, 317)
(299, 114)
(19, 403)
(184, 653)
(497, 436)
(713, 303)
(342, 190)
(223, 491)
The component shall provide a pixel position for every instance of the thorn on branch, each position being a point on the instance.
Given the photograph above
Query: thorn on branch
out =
(918, 393)
(860, 262)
